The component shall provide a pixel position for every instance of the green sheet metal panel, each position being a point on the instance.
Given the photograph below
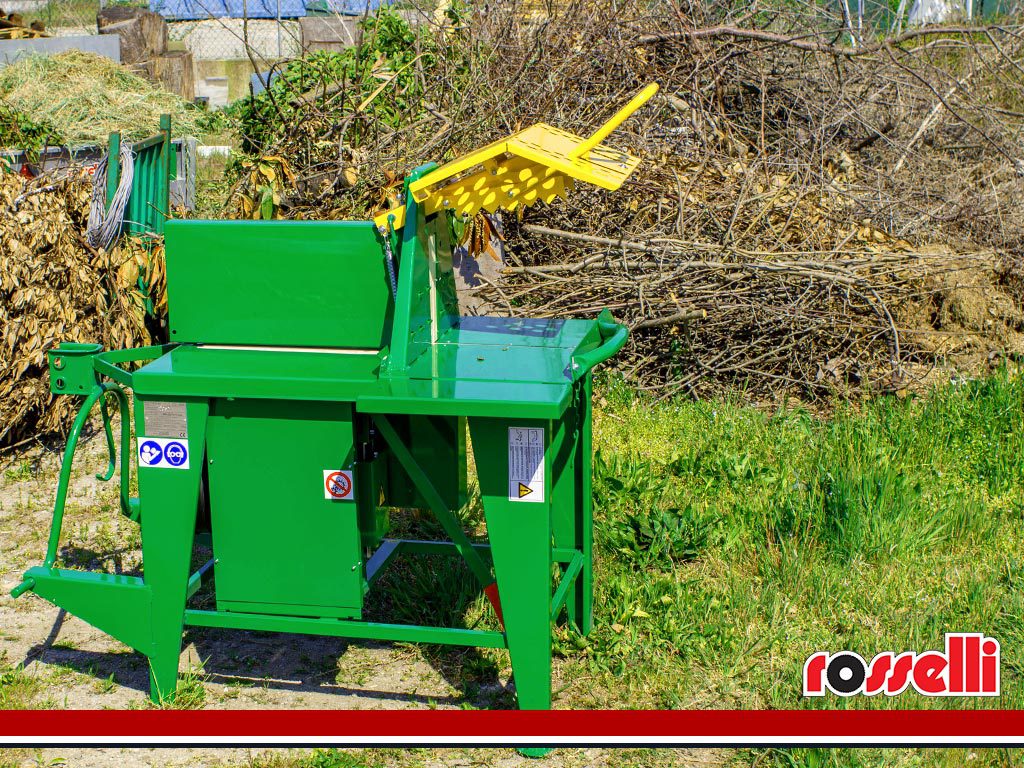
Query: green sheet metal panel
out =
(261, 373)
(438, 442)
(278, 283)
(434, 309)
(281, 547)
(469, 398)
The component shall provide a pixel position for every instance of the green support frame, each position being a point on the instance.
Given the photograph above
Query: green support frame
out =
(393, 416)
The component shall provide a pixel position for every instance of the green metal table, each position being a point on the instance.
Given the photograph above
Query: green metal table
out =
(304, 394)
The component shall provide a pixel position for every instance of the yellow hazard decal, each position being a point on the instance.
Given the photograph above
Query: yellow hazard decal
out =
(526, 464)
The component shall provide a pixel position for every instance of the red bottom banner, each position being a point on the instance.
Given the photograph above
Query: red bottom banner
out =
(512, 728)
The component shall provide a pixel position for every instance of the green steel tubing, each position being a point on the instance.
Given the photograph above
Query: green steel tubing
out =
(444, 516)
(614, 337)
(126, 449)
(98, 392)
(361, 630)
(567, 580)
(25, 586)
(106, 362)
(111, 451)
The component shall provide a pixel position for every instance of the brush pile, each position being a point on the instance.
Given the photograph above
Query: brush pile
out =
(54, 287)
(80, 98)
(817, 211)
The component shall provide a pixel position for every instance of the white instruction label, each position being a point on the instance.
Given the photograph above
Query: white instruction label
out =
(525, 464)
(337, 484)
(163, 453)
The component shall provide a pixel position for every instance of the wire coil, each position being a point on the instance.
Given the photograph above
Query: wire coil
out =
(105, 222)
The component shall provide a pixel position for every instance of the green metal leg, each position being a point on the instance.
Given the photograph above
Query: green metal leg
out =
(534, 752)
(582, 607)
(520, 536)
(571, 504)
(171, 497)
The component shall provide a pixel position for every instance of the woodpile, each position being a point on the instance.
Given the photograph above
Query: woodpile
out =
(13, 27)
(143, 37)
(143, 33)
(173, 70)
(814, 214)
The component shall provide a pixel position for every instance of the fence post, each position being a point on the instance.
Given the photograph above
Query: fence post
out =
(113, 165)
(168, 166)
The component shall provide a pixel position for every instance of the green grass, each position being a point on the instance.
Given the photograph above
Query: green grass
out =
(191, 693)
(641, 758)
(734, 542)
(18, 689)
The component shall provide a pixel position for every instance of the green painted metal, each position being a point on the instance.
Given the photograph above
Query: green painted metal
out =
(106, 363)
(277, 452)
(292, 358)
(567, 582)
(363, 630)
(278, 283)
(413, 270)
(436, 503)
(520, 537)
(200, 371)
(117, 605)
(435, 441)
(71, 368)
(154, 168)
(534, 752)
(98, 393)
(169, 500)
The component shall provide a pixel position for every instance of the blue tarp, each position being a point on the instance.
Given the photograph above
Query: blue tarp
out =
(189, 10)
(349, 7)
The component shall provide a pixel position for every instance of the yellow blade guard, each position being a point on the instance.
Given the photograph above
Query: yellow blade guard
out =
(537, 163)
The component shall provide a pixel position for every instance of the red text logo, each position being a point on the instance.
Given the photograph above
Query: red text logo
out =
(968, 667)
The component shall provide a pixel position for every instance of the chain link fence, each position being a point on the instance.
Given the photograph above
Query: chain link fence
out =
(230, 41)
(234, 43)
(62, 18)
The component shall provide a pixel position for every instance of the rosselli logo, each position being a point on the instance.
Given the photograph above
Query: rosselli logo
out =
(968, 667)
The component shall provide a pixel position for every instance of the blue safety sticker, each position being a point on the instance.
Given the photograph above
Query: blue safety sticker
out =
(163, 453)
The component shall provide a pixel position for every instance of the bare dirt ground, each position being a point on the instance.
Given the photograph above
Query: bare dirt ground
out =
(82, 668)
(69, 664)
(423, 758)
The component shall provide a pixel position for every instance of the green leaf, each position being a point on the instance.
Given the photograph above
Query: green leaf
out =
(266, 203)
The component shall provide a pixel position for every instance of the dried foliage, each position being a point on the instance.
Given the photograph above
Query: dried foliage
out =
(54, 287)
(80, 98)
(814, 213)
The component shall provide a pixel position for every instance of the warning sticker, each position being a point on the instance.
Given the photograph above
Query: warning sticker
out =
(525, 464)
(162, 453)
(337, 484)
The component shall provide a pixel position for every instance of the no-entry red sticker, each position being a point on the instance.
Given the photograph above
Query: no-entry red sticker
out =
(337, 484)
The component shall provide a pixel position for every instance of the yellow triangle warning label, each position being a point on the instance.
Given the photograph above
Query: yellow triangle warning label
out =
(526, 465)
